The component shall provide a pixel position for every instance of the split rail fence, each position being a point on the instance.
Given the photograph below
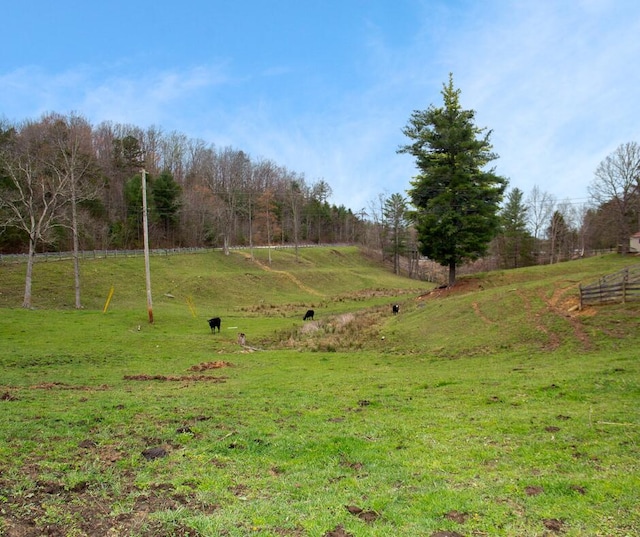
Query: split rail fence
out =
(622, 286)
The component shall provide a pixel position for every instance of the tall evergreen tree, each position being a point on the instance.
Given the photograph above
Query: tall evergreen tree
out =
(456, 201)
(396, 223)
(166, 198)
(515, 241)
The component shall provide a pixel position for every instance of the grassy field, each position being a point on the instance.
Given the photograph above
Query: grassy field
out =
(493, 409)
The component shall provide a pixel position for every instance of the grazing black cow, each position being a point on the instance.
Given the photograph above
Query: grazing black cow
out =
(215, 323)
(308, 315)
(396, 309)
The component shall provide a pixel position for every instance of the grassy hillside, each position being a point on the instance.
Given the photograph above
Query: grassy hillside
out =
(493, 409)
(214, 281)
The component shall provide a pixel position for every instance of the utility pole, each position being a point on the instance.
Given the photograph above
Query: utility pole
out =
(145, 229)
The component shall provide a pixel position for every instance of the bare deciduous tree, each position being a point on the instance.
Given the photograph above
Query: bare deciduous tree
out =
(33, 193)
(541, 206)
(617, 183)
(73, 160)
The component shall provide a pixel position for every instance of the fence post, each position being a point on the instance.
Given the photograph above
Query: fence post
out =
(600, 291)
(580, 289)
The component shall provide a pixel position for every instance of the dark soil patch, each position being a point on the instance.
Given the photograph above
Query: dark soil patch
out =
(210, 365)
(338, 531)
(367, 516)
(154, 453)
(63, 386)
(457, 516)
(462, 285)
(533, 490)
(180, 378)
(27, 516)
(553, 524)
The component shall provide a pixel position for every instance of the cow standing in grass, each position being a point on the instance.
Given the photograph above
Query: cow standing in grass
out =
(214, 323)
(308, 315)
(396, 309)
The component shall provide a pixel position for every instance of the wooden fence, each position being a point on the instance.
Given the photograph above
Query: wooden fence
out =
(102, 254)
(622, 286)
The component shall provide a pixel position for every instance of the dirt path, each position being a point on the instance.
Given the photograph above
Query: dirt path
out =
(554, 340)
(559, 303)
(284, 273)
(561, 306)
(476, 309)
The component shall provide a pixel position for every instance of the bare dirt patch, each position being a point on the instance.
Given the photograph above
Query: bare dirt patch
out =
(553, 524)
(338, 531)
(51, 509)
(63, 386)
(567, 307)
(462, 286)
(457, 516)
(176, 378)
(367, 516)
(533, 490)
(211, 365)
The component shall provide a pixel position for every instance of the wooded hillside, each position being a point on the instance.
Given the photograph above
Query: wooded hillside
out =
(61, 175)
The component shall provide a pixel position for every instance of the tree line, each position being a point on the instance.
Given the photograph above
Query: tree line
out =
(199, 194)
(66, 184)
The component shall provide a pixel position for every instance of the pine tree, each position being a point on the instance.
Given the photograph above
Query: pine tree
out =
(515, 242)
(396, 224)
(456, 201)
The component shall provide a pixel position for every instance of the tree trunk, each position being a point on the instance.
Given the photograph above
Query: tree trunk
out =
(452, 273)
(76, 249)
(26, 303)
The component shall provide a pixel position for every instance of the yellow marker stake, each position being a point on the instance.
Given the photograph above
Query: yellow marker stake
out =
(192, 307)
(106, 306)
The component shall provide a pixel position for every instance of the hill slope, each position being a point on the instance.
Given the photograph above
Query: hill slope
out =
(525, 310)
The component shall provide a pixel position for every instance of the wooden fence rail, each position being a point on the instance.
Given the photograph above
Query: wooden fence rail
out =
(101, 254)
(622, 286)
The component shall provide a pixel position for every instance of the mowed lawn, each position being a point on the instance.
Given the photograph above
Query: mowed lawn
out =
(496, 408)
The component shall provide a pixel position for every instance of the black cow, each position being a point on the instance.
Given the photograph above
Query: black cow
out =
(308, 315)
(215, 323)
(396, 309)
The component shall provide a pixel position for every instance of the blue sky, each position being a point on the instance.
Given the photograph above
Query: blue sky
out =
(324, 87)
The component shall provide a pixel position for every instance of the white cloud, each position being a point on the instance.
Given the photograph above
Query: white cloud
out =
(555, 81)
(144, 99)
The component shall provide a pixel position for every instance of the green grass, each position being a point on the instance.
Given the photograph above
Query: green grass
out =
(499, 402)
